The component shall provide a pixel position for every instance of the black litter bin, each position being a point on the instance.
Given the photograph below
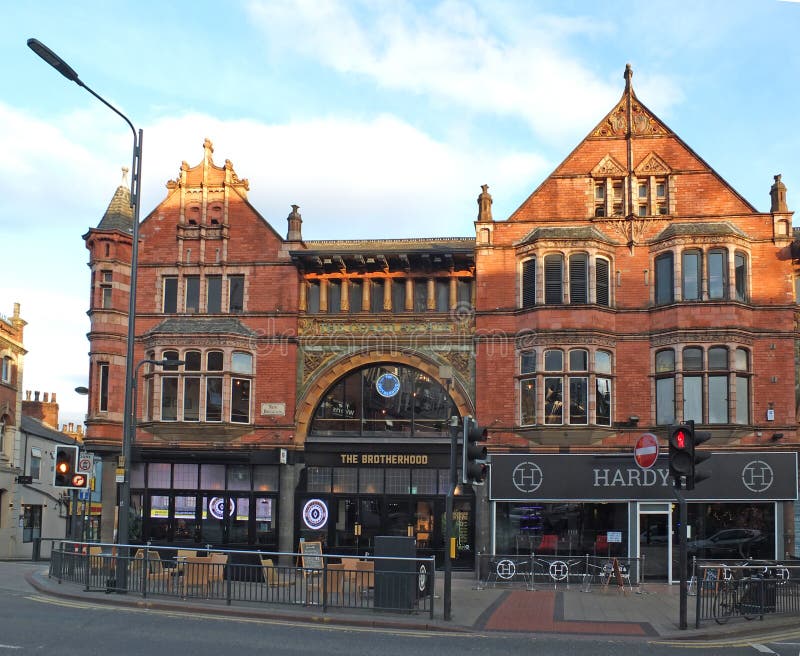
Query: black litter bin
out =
(395, 580)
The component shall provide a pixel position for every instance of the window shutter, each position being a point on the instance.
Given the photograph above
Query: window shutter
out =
(553, 277)
(529, 283)
(578, 286)
(602, 283)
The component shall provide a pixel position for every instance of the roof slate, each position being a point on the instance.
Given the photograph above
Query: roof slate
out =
(119, 215)
(201, 325)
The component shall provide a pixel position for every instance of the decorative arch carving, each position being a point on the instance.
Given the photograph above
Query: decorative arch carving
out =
(313, 393)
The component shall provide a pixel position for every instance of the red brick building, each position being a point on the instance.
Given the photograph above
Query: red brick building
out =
(632, 290)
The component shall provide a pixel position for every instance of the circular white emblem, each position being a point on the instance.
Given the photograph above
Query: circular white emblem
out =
(506, 569)
(757, 476)
(387, 385)
(422, 580)
(315, 514)
(216, 506)
(527, 477)
(558, 570)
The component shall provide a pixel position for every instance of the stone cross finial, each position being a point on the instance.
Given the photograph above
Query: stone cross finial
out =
(125, 170)
(628, 76)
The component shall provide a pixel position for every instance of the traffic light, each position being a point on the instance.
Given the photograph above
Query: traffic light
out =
(681, 460)
(473, 467)
(698, 457)
(66, 472)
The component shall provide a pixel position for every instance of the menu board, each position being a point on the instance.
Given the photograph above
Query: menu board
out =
(312, 555)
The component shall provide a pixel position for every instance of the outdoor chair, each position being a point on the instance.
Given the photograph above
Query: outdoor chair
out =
(272, 574)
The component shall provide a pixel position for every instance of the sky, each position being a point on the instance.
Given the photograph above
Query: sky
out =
(379, 119)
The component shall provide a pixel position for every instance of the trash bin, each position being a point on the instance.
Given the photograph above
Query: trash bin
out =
(395, 580)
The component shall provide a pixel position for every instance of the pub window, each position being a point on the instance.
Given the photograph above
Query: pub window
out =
(240, 400)
(602, 365)
(213, 294)
(665, 386)
(312, 297)
(192, 294)
(398, 481)
(241, 362)
(717, 274)
(617, 206)
(370, 480)
(31, 522)
(318, 479)
(553, 387)
(420, 295)
(102, 372)
(442, 288)
(170, 294)
(740, 275)
(235, 294)
(464, 292)
(718, 381)
(693, 384)
(553, 279)
(399, 295)
(106, 290)
(375, 296)
(356, 295)
(665, 281)
(579, 278)
(191, 387)
(527, 388)
(169, 398)
(334, 296)
(34, 470)
(529, 283)
(603, 281)
(741, 364)
(692, 274)
(600, 198)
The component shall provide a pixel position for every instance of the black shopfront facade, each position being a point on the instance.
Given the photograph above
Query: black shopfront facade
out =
(605, 505)
(351, 492)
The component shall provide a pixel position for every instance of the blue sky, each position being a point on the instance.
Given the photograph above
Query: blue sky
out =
(380, 119)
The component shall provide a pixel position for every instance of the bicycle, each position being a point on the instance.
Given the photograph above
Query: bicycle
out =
(739, 597)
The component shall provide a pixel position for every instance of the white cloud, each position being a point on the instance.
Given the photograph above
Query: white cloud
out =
(507, 62)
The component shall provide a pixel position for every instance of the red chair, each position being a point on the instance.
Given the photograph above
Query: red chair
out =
(601, 544)
(548, 544)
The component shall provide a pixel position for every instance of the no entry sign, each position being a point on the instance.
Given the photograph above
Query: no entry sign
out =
(646, 450)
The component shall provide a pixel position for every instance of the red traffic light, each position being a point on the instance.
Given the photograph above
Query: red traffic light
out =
(680, 439)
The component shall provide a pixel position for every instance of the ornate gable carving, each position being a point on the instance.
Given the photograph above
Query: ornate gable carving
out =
(652, 164)
(616, 122)
(608, 167)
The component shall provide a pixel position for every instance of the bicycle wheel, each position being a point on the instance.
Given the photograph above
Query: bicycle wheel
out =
(724, 604)
(749, 602)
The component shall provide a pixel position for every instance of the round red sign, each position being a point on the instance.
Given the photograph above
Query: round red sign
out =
(646, 450)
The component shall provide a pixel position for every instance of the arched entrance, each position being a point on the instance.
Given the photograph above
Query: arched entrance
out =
(377, 463)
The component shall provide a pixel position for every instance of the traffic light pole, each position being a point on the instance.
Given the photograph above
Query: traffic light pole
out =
(448, 564)
(682, 559)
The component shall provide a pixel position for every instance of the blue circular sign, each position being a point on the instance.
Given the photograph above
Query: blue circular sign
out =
(387, 385)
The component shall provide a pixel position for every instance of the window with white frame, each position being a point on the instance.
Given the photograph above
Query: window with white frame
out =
(5, 375)
(105, 289)
(570, 376)
(527, 388)
(35, 467)
(193, 392)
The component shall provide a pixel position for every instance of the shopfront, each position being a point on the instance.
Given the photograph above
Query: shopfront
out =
(349, 495)
(377, 462)
(605, 505)
(227, 505)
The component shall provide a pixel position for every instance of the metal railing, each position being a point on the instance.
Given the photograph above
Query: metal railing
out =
(532, 570)
(732, 589)
(392, 584)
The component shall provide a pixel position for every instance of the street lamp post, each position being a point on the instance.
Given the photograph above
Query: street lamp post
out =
(125, 490)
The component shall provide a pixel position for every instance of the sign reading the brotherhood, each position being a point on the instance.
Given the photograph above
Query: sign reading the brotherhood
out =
(752, 476)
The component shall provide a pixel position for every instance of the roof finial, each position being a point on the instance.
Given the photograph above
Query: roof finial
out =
(208, 147)
(124, 182)
(628, 76)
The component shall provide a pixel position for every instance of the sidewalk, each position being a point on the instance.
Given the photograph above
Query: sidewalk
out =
(646, 613)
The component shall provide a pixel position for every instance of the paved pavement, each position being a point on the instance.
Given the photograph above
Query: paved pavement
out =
(649, 612)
